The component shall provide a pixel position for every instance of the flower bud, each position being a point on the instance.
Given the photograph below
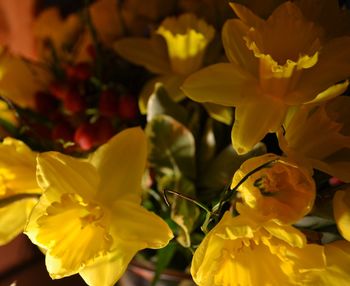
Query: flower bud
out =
(281, 190)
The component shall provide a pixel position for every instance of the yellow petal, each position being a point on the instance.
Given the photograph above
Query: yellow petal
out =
(150, 53)
(338, 265)
(64, 174)
(120, 163)
(246, 15)
(187, 38)
(224, 84)
(233, 34)
(108, 269)
(331, 68)
(341, 210)
(20, 80)
(254, 120)
(220, 113)
(331, 92)
(78, 221)
(133, 223)
(13, 219)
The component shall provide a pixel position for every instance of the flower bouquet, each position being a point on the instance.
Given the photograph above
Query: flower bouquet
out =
(210, 137)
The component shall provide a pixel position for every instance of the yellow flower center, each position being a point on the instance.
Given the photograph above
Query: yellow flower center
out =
(281, 62)
(73, 220)
(187, 38)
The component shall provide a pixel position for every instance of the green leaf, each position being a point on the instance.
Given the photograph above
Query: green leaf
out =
(164, 256)
(160, 103)
(171, 146)
(219, 173)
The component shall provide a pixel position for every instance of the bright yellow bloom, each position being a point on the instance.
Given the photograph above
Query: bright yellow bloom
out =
(341, 211)
(269, 71)
(17, 177)
(20, 80)
(282, 190)
(175, 55)
(244, 251)
(89, 220)
(319, 137)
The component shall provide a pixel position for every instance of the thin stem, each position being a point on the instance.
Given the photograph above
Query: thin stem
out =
(185, 198)
(228, 194)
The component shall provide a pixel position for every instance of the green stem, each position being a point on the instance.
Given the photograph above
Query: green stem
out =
(202, 206)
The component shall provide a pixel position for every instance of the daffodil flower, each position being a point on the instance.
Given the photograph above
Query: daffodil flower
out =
(19, 190)
(282, 190)
(245, 250)
(89, 220)
(174, 52)
(319, 137)
(266, 75)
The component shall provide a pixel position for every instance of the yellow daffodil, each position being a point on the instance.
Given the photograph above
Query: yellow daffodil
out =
(319, 137)
(267, 75)
(20, 80)
(17, 180)
(175, 55)
(280, 190)
(341, 211)
(243, 251)
(89, 220)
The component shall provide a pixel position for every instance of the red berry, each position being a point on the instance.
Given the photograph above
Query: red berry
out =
(80, 71)
(74, 102)
(127, 107)
(85, 136)
(333, 181)
(108, 103)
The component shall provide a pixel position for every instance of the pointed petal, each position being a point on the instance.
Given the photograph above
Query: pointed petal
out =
(331, 92)
(149, 53)
(224, 84)
(108, 269)
(332, 67)
(236, 49)
(133, 223)
(246, 15)
(120, 163)
(220, 113)
(254, 120)
(13, 219)
(65, 174)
